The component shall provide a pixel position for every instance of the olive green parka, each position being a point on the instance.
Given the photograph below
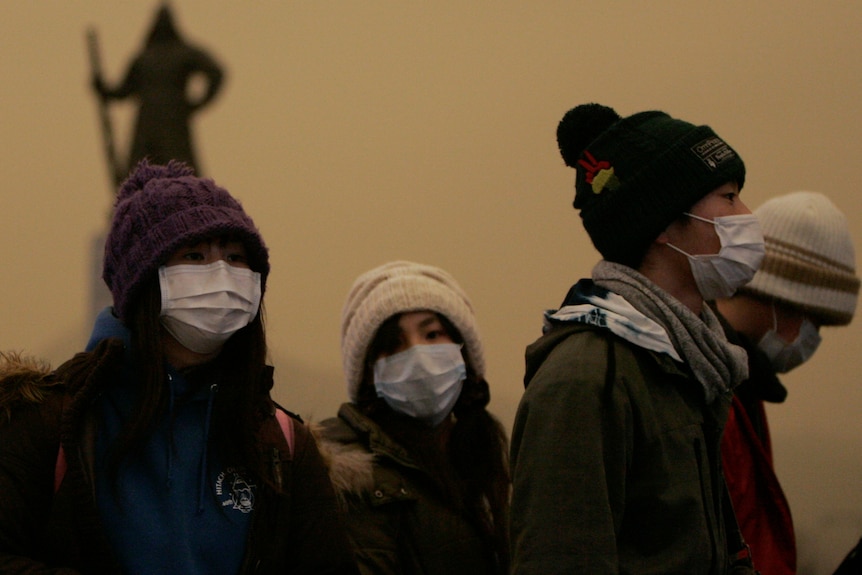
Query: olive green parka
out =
(616, 462)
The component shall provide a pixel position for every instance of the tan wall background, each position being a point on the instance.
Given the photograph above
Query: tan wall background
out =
(361, 132)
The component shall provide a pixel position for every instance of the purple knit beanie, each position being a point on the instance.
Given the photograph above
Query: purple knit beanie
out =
(160, 209)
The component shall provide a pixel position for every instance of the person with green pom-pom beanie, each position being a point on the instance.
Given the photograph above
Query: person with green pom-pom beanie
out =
(615, 448)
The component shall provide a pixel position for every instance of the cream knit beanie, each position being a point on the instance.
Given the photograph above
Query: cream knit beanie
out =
(810, 262)
(394, 288)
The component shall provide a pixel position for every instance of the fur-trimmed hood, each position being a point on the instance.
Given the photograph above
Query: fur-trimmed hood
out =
(350, 464)
(394, 509)
(23, 380)
(363, 462)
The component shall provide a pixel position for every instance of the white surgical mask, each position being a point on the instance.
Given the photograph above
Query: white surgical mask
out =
(203, 305)
(720, 275)
(785, 356)
(423, 381)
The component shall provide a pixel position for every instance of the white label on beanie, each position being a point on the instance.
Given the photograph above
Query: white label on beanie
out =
(713, 151)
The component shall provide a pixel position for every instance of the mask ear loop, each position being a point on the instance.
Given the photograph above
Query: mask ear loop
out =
(673, 247)
(699, 218)
(690, 215)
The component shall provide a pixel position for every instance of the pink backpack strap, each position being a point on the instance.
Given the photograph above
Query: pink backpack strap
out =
(286, 424)
(59, 468)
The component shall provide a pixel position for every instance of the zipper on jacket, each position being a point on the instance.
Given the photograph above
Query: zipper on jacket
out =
(276, 467)
(705, 474)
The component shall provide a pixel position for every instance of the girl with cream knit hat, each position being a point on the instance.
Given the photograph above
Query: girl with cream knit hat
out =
(418, 462)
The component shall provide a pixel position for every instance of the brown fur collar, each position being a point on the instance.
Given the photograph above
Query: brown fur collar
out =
(350, 465)
(23, 380)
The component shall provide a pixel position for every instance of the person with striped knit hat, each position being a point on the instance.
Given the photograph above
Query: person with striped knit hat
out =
(807, 280)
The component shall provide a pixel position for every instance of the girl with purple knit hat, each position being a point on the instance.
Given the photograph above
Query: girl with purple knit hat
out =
(159, 449)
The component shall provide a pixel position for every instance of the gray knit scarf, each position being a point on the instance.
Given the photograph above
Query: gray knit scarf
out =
(716, 363)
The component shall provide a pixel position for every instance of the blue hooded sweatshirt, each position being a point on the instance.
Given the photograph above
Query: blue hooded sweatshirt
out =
(175, 509)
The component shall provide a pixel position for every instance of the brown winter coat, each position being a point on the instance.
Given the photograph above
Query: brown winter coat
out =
(396, 518)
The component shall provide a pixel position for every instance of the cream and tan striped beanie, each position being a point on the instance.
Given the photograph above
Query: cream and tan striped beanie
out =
(398, 287)
(810, 262)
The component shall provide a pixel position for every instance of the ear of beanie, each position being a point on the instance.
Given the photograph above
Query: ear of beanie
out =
(399, 287)
(810, 261)
(158, 210)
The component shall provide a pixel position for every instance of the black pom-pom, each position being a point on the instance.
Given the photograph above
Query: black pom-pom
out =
(580, 126)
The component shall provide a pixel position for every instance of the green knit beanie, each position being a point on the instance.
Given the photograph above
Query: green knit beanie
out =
(636, 175)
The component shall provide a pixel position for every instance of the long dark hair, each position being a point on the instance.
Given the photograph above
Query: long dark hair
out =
(240, 404)
(477, 449)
